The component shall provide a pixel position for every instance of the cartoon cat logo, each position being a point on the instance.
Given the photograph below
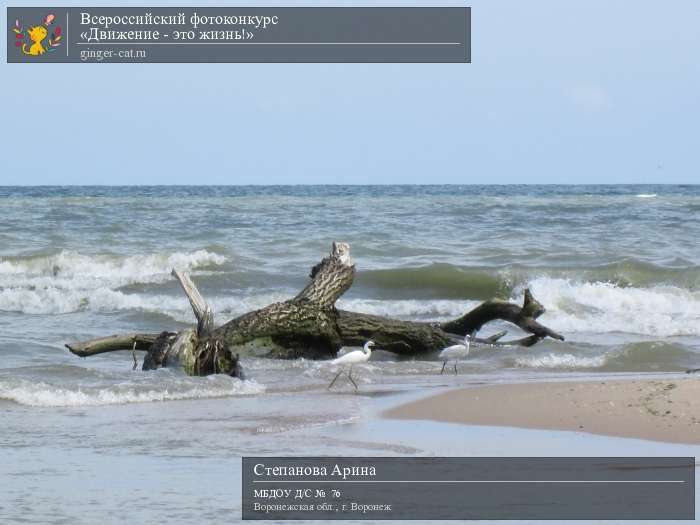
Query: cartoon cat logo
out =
(37, 35)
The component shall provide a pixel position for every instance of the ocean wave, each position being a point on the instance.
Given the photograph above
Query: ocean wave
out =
(646, 356)
(409, 308)
(446, 281)
(52, 300)
(600, 307)
(43, 394)
(70, 281)
(74, 270)
(572, 307)
(560, 361)
(651, 356)
(627, 297)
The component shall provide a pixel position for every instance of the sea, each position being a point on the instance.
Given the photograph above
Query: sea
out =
(83, 440)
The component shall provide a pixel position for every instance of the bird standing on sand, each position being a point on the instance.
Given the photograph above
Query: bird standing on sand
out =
(455, 353)
(352, 358)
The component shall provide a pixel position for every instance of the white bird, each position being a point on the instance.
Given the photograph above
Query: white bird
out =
(454, 353)
(352, 358)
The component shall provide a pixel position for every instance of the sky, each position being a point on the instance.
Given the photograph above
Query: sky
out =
(557, 92)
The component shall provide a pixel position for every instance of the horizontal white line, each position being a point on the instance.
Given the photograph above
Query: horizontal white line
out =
(270, 43)
(478, 481)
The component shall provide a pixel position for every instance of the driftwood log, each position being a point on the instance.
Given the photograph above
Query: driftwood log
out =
(309, 325)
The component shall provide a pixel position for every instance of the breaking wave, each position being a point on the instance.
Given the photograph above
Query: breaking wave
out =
(446, 281)
(70, 281)
(73, 270)
(659, 311)
(561, 361)
(628, 297)
(648, 356)
(574, 306)
(44, 394)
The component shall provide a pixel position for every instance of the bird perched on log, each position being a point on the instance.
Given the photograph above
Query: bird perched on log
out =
(455, 353)
(352, 358)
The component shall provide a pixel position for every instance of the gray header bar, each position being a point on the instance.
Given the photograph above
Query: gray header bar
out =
(238, 34)
(391, 488)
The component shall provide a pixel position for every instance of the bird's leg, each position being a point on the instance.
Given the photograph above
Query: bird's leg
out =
(133, 353)
(444, 364)
(455, 367)
(335, 379)
(351, 379)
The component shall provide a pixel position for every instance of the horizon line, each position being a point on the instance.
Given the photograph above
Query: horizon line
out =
(341, 185)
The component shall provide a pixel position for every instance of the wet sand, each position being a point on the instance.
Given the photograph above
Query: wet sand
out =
(652, 409)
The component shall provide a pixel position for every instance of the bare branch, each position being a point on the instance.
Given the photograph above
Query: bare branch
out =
(202, 311)
(112, 343)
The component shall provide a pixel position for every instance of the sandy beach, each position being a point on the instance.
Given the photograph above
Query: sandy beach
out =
(652, 409)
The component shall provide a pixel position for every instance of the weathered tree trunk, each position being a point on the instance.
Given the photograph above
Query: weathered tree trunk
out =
(199, 351)
(309, 325)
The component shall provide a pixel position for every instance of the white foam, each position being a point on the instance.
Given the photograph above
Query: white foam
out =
(646, 195)
(43, 394)
(660, 311)
(73, 270)
(438, 310)
(70, 281)
(52, 300)
(565, 361)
